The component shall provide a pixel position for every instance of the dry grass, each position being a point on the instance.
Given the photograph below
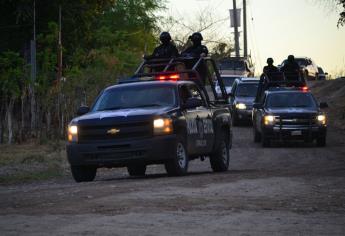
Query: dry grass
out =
(332, 92)
(31, 162)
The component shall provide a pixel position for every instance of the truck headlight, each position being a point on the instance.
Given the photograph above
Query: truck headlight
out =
(162, 126)
(241, 106)
(321, 119)
(269, 120)
(73, 133)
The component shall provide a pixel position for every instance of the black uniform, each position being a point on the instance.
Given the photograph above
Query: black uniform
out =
(291, 70)
(195, 51)
(270, 69)
(164, 51)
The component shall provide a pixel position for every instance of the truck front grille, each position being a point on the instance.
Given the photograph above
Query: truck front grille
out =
(123, 131)
(296, 121)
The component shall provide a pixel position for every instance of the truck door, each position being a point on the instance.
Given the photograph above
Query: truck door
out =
(204, 139)
(198, 122)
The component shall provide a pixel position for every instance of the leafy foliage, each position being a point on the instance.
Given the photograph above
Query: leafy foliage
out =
(102, 40)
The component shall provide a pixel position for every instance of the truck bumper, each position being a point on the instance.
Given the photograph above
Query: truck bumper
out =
(295, 132)
(122, 153)
(245, 115)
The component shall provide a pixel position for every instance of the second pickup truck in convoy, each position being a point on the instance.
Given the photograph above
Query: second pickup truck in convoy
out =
(288, 110)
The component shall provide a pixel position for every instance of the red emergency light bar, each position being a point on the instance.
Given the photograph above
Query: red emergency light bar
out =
(168, 77)
(305, 89)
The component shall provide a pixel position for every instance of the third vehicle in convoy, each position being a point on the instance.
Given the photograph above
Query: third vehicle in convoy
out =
(228, 81)
(241, 99)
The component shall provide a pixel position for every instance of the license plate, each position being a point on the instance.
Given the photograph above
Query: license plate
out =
(296, 133)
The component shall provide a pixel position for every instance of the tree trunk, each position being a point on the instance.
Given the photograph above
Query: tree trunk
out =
(49, 120)
(10, 121)
(22, 123)
(33, 110)
(2, 129)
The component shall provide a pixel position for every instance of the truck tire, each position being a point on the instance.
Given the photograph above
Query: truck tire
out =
(321, 141)
(83, 173)
(136, 170)
(178, 164)
(220, 158)
(265, 142)
(257, 135)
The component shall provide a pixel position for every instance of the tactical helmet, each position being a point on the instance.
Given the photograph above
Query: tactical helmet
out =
(270, 61)
(291, 58)
(165, 37)
(196, 37)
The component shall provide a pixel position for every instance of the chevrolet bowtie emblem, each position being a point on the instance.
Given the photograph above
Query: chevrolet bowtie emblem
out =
(113, 131)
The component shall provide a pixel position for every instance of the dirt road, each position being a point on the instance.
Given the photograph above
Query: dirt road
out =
(283, 190)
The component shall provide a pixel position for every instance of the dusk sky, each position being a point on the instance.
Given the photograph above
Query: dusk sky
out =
(280, 28)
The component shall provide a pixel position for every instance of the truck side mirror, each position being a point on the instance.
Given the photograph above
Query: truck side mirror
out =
(193, 103)
(82, 110)
(257, 105)
(323, 105)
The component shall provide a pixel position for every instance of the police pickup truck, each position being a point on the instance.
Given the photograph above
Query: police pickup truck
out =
(288, 110)
(161, 115)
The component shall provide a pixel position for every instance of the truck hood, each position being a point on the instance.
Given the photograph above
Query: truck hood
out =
(227, 88)
(120, 116)
(235, 72)
(292, 112)
(245, 100)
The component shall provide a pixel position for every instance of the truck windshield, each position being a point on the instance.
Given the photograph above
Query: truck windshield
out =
(232, 65)
(228, 81)
(136, 97)
(286, 100)
(247, 90)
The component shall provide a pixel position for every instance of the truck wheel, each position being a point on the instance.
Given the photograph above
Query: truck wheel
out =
(265, 142)
(321, 142)
(257, 135)
(220, 158)
(83, 173)
(178, 164)
(136, 170)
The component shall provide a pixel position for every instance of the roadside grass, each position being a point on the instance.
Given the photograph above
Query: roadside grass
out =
(32, 162)
(332, 92)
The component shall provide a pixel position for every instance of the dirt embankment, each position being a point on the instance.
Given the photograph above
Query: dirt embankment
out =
(332, 92)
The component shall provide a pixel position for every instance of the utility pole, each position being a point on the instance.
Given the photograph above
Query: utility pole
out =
(237, 43)
(33, 72)
(245, 41)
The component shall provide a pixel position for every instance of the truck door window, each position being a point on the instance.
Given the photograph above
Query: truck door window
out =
(184, 94)
(195, 93)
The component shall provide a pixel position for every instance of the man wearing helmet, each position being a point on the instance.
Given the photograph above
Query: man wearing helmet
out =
(270, 68)
(166, 49)
(291, 69)
(270, 73)
(197, 49)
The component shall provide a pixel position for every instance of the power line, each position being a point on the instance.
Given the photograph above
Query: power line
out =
(254, 38)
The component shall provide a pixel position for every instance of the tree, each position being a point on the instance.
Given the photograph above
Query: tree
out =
(103, 40)
(11, 85)
(205, 22)
(334, 5)
(342, 14)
